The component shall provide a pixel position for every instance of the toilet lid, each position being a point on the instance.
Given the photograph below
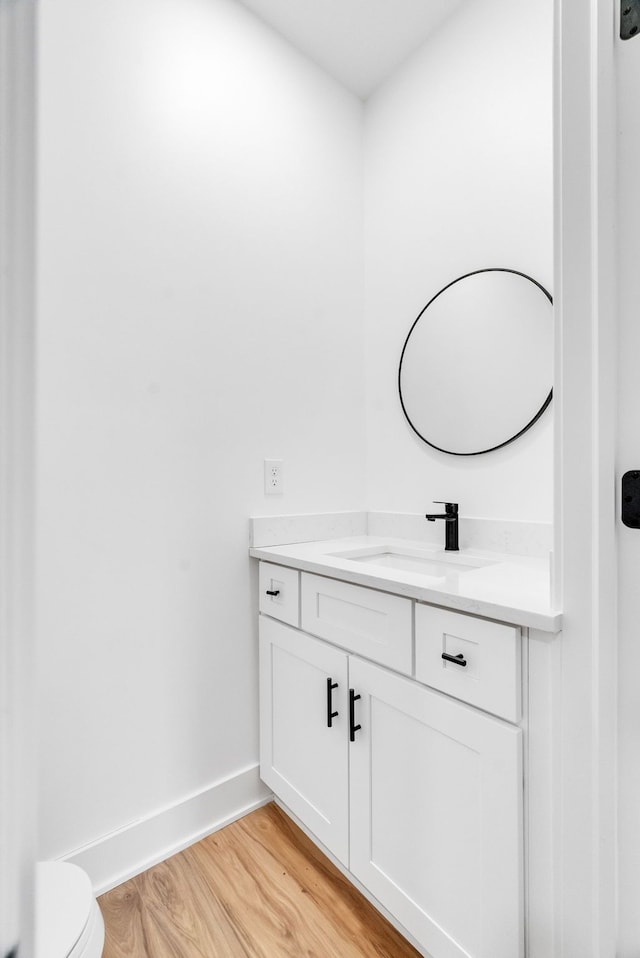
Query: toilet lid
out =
(64, 898)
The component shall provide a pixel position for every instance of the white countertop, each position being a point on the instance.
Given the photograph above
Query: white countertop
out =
(510, 588)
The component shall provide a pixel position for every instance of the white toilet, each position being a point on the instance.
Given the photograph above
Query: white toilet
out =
(69, 923)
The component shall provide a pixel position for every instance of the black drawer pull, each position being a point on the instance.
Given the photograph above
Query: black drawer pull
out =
(275, 592)
(331, 685)
(353, 728)
(456, 659)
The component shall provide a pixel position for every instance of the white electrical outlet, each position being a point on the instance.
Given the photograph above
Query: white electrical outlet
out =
(273, 477)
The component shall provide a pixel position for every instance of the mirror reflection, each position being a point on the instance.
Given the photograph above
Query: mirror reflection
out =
(476, 369)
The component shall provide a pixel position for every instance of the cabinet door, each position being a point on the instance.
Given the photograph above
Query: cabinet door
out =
(302, 759)
(436, 816)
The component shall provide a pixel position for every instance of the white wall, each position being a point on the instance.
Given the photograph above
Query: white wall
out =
(458, 147)
(200, 309)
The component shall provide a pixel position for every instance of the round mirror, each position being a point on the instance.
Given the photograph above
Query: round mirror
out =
(477, 366)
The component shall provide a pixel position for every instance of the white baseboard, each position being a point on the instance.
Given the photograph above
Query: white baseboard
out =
(116, 857)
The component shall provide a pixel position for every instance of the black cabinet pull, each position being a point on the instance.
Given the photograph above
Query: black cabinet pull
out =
(331, 685)
(275, 592)
(353, 728)
(456, 659)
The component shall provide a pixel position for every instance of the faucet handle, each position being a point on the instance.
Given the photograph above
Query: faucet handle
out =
(451, 508)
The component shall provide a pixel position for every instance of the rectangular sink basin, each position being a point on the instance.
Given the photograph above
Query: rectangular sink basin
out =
(437, 565)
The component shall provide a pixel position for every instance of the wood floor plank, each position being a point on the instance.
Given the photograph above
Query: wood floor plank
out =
(256, 889)
(167, 912)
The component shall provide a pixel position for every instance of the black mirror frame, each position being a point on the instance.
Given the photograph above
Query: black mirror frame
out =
(480, 452)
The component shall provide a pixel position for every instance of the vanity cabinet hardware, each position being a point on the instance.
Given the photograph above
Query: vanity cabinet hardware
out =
(331, 685)
(273, 591)
(353, 728)
(456, 659)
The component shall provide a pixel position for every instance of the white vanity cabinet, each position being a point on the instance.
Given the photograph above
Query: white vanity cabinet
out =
(418, 794)
(436, 816)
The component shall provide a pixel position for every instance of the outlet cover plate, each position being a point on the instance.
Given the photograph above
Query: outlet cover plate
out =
(273, 477)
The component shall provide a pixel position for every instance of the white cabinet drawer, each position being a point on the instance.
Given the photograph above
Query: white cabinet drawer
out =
(374, 624)
(285, 603)
(488, 653)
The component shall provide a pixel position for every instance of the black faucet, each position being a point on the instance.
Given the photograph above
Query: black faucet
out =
(450, 516)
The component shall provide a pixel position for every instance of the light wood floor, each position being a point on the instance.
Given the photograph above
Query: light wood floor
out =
(258, 888)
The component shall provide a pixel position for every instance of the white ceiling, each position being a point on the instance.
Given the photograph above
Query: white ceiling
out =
(359, 42)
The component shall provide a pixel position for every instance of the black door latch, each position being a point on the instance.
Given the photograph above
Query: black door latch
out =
(631, 499)
(629, 19)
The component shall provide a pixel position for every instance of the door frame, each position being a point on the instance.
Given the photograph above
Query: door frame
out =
(584, 113)
(17, 360)
(585, 484)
